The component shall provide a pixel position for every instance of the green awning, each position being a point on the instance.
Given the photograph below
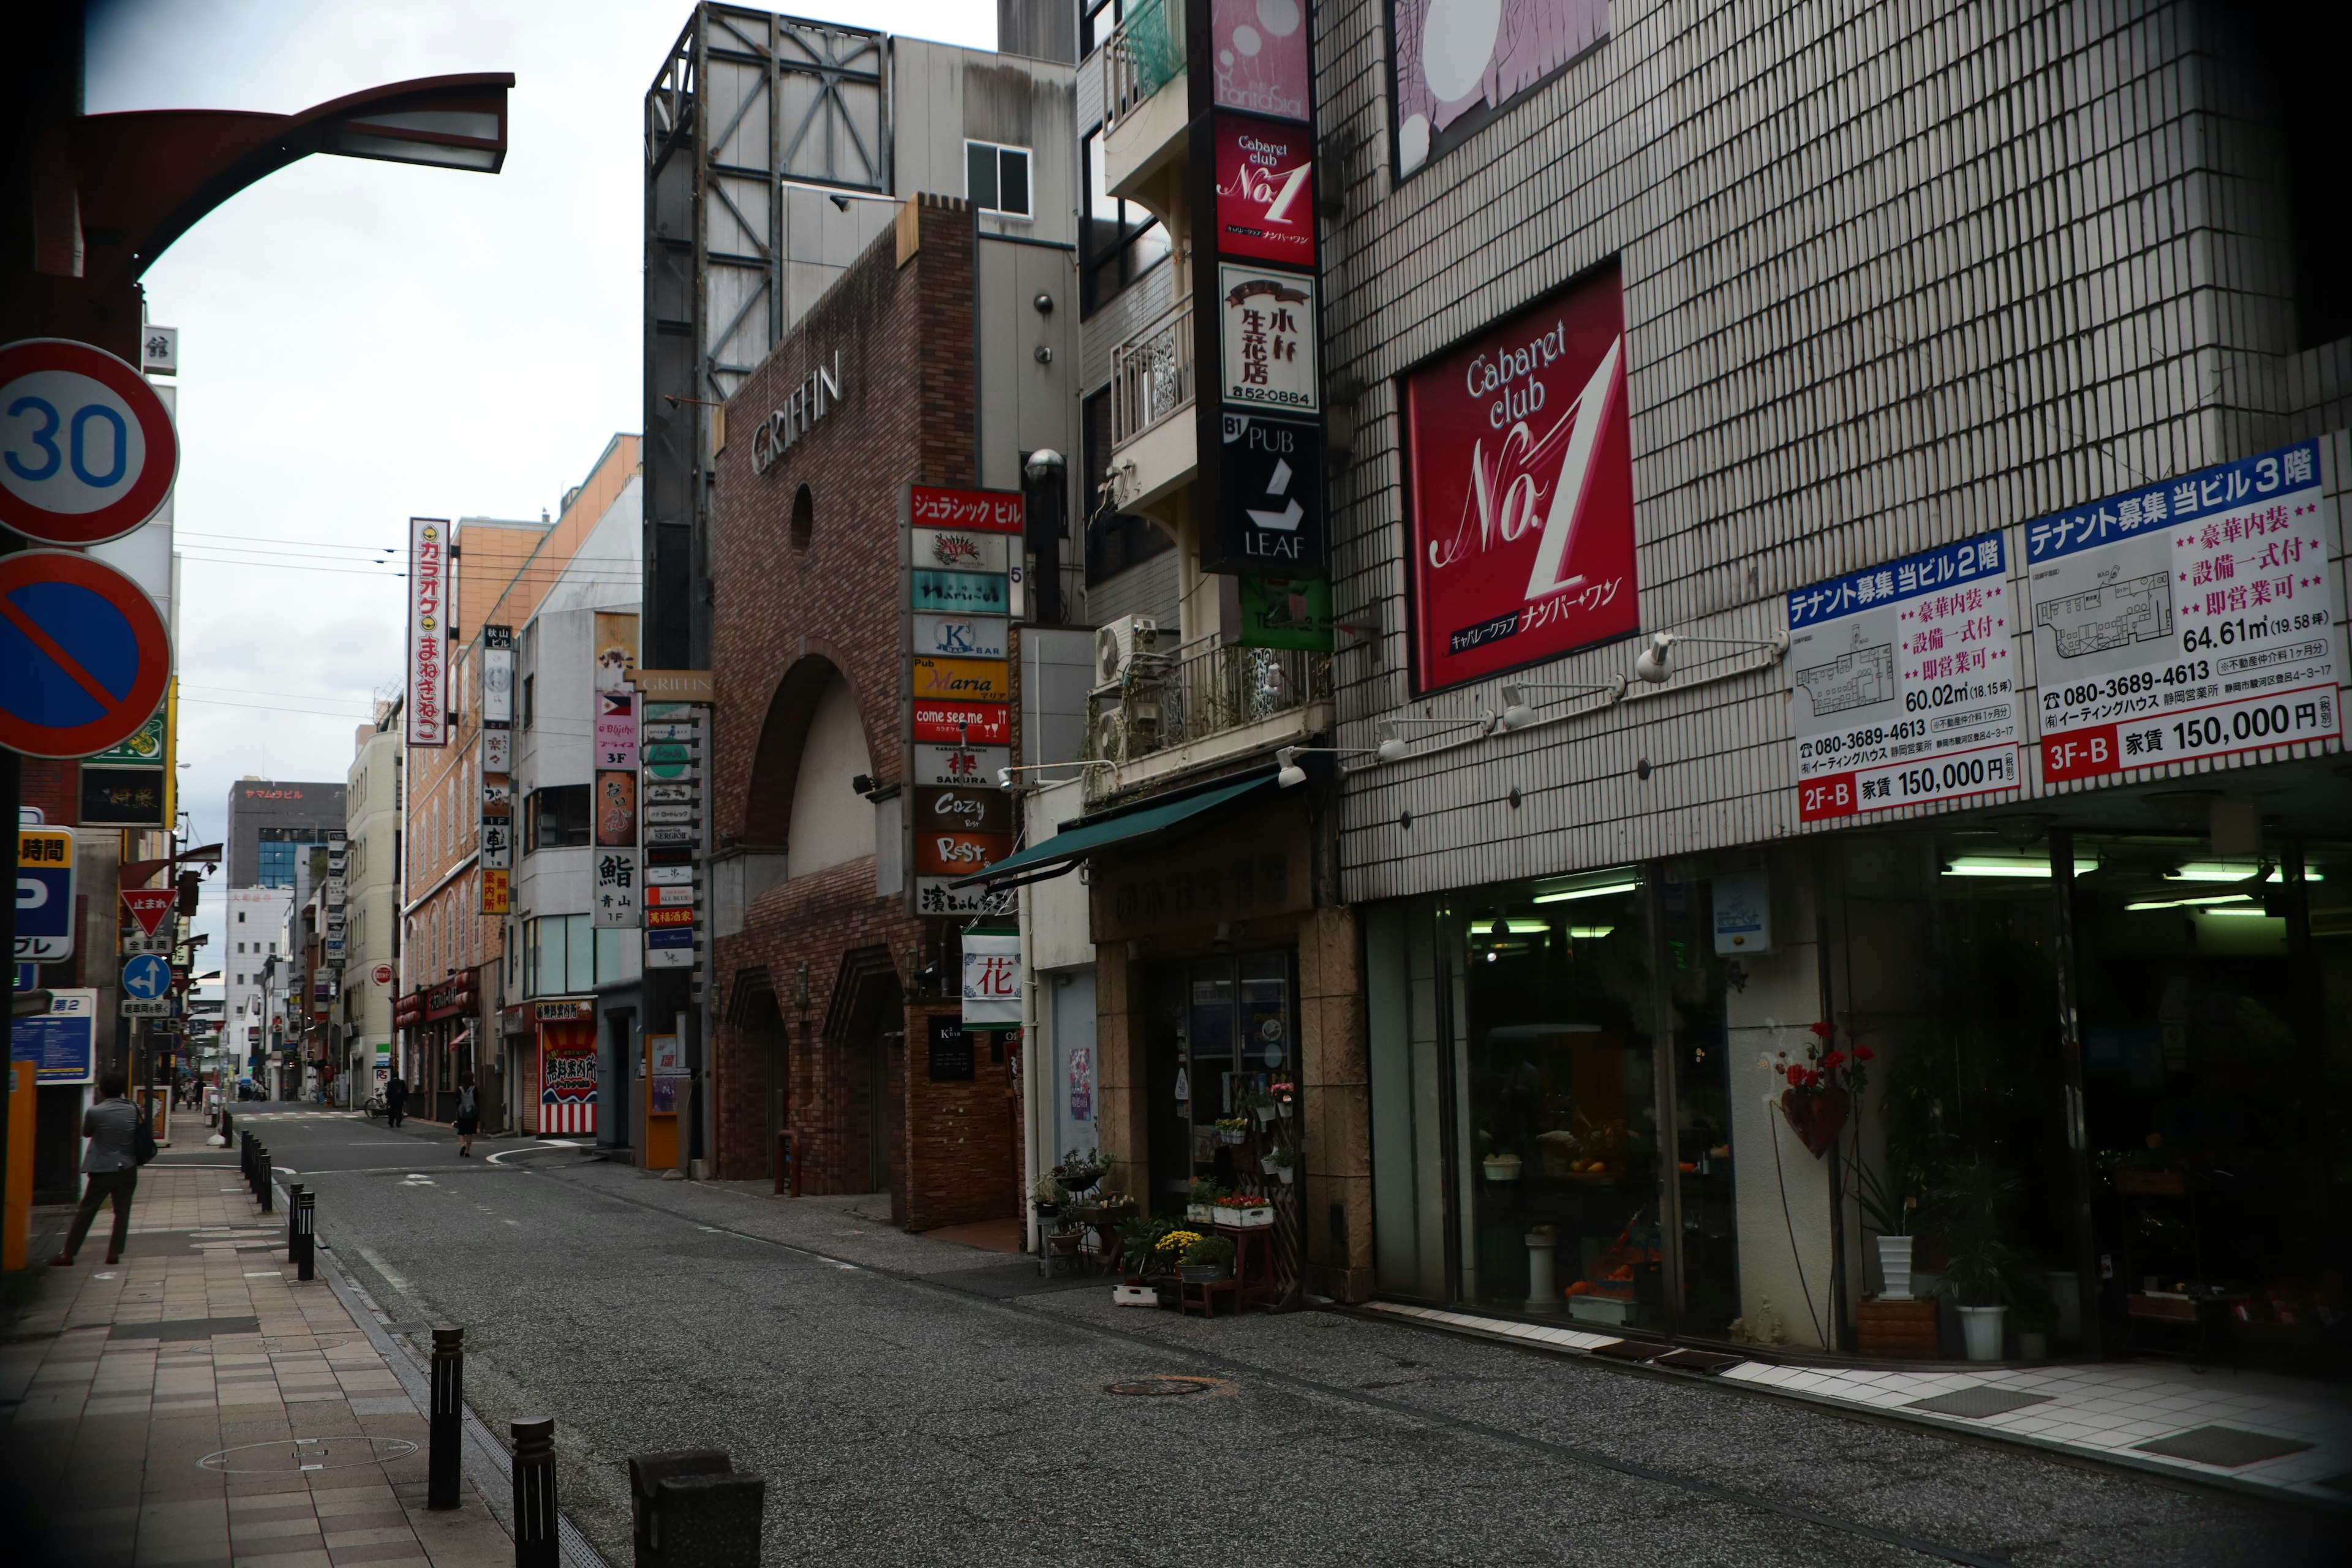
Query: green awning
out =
(1074, 844)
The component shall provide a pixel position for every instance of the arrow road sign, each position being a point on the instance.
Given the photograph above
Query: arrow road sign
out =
(146, 977)
(86, 449)
(87, 654)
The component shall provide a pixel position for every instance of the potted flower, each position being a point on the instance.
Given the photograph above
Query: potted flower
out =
(1502, 1166)
(1266, 1107)
(1168, 1250)
(1202, 1205)
(1048, 1194)
(1081, 1171)
(1231, 1129)
(1285, 1097)
(1889, 1209)
(1244, 1210)
(1207, 1257)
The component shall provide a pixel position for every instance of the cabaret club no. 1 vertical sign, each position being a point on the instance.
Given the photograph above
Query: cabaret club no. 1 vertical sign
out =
(1521, 492)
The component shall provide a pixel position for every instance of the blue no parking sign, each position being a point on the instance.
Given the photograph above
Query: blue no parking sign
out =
(87, 654)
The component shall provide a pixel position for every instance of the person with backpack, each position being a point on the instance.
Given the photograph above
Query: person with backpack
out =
(395, 1100)
(119, 1143)
(469, 1115)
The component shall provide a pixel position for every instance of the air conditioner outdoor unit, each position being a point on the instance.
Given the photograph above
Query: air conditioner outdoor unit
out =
(1118, 644)
(1126, 730)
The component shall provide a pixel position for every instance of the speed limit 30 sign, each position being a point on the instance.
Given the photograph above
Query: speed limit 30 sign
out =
(86, 449)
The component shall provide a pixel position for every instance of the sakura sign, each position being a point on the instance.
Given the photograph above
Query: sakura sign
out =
(1520, 495)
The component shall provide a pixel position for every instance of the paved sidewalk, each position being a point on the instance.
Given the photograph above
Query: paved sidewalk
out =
(195, 1405)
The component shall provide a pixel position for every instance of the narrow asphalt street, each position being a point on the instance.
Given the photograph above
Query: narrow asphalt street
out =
(910, 1400)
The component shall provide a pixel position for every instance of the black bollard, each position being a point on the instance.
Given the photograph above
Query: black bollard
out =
(446, 1419)
(244, 1159)
(304, 1221)
(293, 1206)
(264, 1179)
(534, 1493)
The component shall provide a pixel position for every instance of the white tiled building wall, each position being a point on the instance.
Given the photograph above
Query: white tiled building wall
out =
(1893, 275)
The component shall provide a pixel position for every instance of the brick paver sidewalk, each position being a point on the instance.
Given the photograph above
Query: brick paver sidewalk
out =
(117, 1381)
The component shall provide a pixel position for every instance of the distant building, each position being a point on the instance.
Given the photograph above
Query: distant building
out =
(270, 821)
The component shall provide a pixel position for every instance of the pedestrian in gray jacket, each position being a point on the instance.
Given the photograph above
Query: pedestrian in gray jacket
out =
(109, 1167)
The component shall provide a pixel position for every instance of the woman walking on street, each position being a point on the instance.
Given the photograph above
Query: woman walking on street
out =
(469, 1115)
(109, 1167)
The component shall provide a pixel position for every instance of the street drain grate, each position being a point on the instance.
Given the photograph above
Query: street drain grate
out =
(293, 1456)
(1162, 1388)
(187, 1329)
(2226, 1446)
(1977, 1403)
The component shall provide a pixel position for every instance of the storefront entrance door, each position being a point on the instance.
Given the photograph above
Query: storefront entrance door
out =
(1217, 1030)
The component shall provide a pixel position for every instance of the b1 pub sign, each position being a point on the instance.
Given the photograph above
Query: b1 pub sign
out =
(1269, 516)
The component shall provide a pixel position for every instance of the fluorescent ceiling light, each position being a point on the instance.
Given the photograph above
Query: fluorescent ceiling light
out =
(1589, 933)
(1603, 891)
(2188, 903)
(2222, 871)
(2037, 866)
(1518, 928)
(2245, 911)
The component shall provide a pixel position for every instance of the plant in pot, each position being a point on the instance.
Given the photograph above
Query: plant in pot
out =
(1207, 1257)
(1138, 1240)
(1890, 1204)
(1080, 1173)
(1231, 1129)
(1048, 1194)
(1202, 1204)
(1970, 1202)
(1283, 1164)
(1265, 1106)
(1285, 1097)
(1242, 1209)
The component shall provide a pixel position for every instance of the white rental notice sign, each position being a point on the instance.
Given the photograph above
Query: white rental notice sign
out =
(1904, 683)
(2192, 619)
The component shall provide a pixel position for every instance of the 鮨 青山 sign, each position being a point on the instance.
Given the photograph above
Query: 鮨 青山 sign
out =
(428, 631)
(1520, 500)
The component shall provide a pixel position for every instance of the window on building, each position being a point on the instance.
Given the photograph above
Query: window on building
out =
(996, 178)
(1114, 541)
(1097, 19)
(1119, 241)
(530, 700)
(564, 955)
(556, 817)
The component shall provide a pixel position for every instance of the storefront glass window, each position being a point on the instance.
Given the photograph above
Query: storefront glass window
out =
(1218, 1030)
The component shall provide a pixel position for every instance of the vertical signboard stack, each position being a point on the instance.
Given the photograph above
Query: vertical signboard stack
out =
(612, 804)
(1260, 439)
(332, 942)
(957, 553)
(497, 846)
(672, 756)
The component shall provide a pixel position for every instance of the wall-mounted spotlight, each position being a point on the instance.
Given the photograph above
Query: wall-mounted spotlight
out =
(1657, 663)
(1518, 714)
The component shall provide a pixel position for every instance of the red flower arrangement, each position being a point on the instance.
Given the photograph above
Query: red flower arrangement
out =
(1822, 1089)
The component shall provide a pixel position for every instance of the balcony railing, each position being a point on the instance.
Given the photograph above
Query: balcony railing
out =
(1143, 56)
(1151, 375)
(1166, 702)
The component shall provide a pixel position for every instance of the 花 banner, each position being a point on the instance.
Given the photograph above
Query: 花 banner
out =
(1521, 493)
(2193, 618)
(1903, 683)
(429, 607)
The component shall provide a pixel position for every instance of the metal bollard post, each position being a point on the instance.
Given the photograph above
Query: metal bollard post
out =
(293, 1206)
(305, 1221)
(244, 1159)
(264, 1179)
(446, 1419)
(534, 1493)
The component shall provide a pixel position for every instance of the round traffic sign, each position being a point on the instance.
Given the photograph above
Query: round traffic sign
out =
(145, 976)
(87, 449)
(87, 654)
(384, 975)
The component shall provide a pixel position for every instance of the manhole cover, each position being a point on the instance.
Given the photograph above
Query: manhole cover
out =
(1162, 1388)
(288, 1456)
(2227, 1447)
(1979, 1403)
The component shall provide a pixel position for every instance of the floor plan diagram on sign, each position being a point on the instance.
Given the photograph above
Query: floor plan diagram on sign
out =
(2112, 616)
(1856, 678)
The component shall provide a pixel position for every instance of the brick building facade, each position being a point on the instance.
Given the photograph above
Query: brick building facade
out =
(823, 984)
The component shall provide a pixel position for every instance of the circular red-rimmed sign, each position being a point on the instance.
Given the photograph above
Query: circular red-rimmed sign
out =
(384, 975)
(87, 654)
(87, 449)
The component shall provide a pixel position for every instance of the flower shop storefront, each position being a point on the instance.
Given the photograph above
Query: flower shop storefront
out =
(1818, 1094)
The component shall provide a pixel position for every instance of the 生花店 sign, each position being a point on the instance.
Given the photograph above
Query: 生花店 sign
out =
(1520, 492)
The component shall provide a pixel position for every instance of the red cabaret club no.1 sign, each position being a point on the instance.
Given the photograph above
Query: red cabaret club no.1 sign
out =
(86, 449)
(87, 654)
(1521, 493)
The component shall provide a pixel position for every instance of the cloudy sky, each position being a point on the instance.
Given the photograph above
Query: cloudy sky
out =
(361, 343)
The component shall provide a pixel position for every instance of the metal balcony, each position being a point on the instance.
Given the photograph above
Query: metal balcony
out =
(1145, 53)
(1163, 705)
(1151, 375)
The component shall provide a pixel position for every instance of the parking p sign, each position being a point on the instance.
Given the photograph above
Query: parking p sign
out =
(45, 895)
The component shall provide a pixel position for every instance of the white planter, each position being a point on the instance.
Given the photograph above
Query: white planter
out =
(1200, 1212)
(1981, 1327)
(1607, 1309)
(1895, 1266)
(1286, 1174)
(1134, 1296)
(1265, 1114)
(1246, 1219)
(1501, 1170)
(1543, 1283)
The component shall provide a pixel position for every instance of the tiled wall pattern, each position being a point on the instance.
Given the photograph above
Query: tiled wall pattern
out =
(1893, 275)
